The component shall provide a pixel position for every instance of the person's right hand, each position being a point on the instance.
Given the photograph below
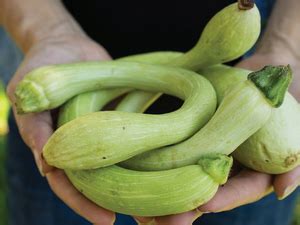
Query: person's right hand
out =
(36, 128)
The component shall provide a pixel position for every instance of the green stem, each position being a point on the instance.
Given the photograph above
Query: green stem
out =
(273, 82)
(217, 166)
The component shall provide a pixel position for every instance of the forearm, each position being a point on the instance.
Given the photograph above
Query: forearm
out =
(283, 30)
(34, 20)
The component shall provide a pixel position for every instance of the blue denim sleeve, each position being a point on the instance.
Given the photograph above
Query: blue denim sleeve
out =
(265, 8)
(10, 57)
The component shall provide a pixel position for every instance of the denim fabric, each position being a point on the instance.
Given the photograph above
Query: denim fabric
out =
(10, 57)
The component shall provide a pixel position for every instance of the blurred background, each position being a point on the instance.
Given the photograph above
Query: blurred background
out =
(4, 109)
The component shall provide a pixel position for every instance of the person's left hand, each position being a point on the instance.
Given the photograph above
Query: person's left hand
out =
(249, 186)
(36, 128)
(246, 186)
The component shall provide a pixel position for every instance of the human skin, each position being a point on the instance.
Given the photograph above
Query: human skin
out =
(51, 36)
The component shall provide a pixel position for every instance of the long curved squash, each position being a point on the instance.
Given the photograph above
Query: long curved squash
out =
(50, 86)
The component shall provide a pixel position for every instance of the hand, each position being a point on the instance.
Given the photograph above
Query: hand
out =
(36, 128)
(249, 186)
(284, 184)
(245, 185)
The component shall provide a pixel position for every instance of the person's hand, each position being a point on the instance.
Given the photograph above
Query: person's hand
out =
(36, 128)
(249, 186)
(245, 185)
(284, 184)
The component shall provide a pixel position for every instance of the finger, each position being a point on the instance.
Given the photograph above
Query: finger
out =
(186, 218)
(148, 222)
(246, 187)
(35, 130)
(63, 188)
(252, 63)
(294, 89)
(235, 169)
(285, 184)
(143, 220)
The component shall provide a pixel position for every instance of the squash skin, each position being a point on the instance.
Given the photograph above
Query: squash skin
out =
(145, 193)
(227, 36)
(136, 133)
(273, 149)
(155, 193)
(222, 134)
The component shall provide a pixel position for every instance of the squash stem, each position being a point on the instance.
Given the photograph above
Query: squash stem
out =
(30, 97)
(217, 166)
(273, 82)
(245, 4)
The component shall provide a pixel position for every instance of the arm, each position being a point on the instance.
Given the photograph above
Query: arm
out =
(47, 34)
(32, 22)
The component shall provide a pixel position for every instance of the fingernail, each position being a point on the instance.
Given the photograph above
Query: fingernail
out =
(106, 222)
(197, 215)
(151, 222)
(288, 191)
(103, 224)
(38, 162)
(46, 168)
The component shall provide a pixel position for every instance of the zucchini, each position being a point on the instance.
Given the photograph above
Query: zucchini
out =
(49, 87)
(273, 149)
(243, 111)
(89, 102)
(155, 193)
(144, 193)
(244, 103)
(227, 36)
(214, 46)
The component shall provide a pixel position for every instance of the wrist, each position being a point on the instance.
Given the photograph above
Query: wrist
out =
(276, 51)
(37, 20)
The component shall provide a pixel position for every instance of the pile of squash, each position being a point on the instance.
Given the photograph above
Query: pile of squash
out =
(151, 165)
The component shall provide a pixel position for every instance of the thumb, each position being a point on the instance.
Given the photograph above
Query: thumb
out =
(285, 184)
(35, 130)
(185, 218)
